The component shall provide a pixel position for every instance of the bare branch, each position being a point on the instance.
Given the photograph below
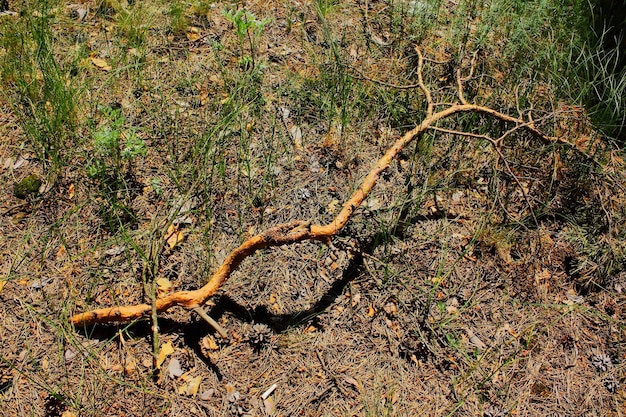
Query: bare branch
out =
(460, 80)
(200, 311)
(296, 231)
(420, 80)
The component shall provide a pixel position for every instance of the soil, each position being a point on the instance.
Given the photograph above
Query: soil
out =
(469, 283)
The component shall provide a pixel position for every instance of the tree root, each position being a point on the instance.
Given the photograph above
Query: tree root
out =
(298, 231)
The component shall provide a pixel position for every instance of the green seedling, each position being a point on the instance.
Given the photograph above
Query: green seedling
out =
(246, 26)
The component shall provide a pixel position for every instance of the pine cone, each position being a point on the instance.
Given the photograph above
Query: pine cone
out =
(259, 336)
(601, 362)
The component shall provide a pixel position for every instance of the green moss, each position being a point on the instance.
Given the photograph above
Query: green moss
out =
(29, 185)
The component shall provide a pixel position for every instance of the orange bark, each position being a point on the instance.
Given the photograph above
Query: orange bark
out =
(293, 232)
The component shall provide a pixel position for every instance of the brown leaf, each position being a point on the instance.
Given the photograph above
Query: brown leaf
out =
(193, 386)
(270, 406)
(193, 34)
(166, 349)
(174, 236)
(100, 63)
(209, 343)
(164, 286)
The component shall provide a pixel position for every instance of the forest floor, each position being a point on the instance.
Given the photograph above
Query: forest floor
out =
(141, 142)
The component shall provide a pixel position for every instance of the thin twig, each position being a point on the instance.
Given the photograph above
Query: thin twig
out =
(200, 311)
(420, 81)
(459, 84)
(460, 133)
(360, 75)
(460, 80)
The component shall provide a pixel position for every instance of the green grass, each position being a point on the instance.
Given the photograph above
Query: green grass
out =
(38, 87)
(193, 131)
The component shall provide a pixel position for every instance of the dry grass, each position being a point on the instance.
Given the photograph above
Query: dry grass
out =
(471, 283)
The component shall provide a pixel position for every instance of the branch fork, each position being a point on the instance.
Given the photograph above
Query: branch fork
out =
(298, 231)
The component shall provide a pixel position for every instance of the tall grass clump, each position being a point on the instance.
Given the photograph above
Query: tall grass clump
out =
(574, 48)
(598, 66)
(36, 85)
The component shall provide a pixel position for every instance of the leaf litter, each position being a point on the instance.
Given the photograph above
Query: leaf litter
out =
(415, 328)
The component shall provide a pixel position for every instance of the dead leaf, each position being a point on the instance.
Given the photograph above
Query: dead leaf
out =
(207, 394)
(371, 311)
(540, 390)
(173, 369)
(296, 135)
(100, 63)
(270, 406)
(209, 343)
(68, 413)
(3, 282)
(71, 191)
(232, 394)
(166, 349)
(20, 161)
(174, 236)
(134, 52)
(131, 366)
(192, 385)
(391, 309)
(193, 34)
(352, 381)
(332, 137)
(573, 297)
(40, 283)
(475, 340)
(79, 11)
(115, 250)
(164, 286)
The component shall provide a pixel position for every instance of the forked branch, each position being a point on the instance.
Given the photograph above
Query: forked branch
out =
(298, 231)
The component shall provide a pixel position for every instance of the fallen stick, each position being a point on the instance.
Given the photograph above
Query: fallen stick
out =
(293, 232)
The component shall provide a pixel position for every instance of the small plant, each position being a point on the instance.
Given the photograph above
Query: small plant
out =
(37, 86)
(134, 23)
(113, 146)
(178, 19)
(111, 165)
(246, 26)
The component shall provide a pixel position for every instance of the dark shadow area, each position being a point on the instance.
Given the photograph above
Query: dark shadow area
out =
(602, 27)
(191, 332)
(281, 322)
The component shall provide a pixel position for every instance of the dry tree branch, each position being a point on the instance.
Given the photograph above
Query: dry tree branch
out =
(460, 80)
(420, 81)
(298, 231)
